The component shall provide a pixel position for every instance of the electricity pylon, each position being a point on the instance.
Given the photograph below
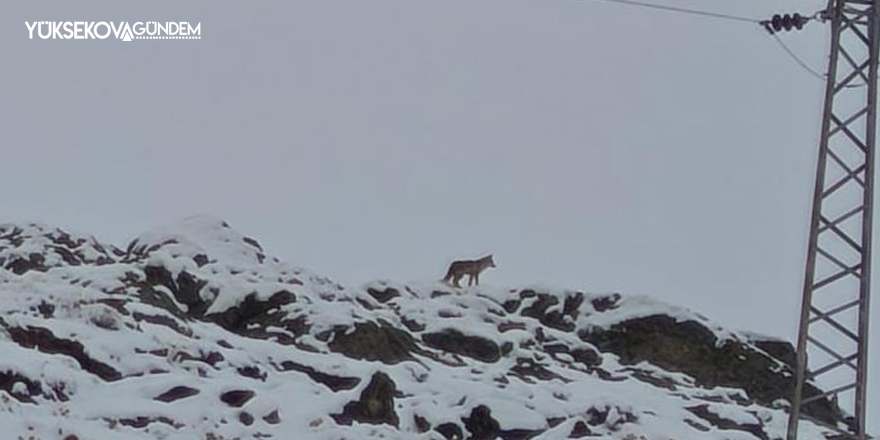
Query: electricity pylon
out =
(834, 313)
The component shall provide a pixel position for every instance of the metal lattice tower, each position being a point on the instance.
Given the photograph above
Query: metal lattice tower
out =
(834, 313)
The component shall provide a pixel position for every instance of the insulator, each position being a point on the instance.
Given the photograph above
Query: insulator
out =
(786, 22)
(799, 21)
(776, 22)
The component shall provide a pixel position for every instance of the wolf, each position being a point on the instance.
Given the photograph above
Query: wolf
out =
(458, 269)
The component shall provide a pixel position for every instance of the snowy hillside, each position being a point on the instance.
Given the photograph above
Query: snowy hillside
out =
(193, 332)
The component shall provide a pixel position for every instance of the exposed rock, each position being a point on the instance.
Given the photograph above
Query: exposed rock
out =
(8, 381)
(375, 406)
(246, 418)
(185, 288)
(374, 342)
(453, 341)
(252, 310)
(44, 340)
(252, 372)
(557, 318)
(273, 418)
(422, 424)
(605, 303)
(236, 398)
(526, 368)
(481, 425)
(691, 348)
(450, 431)
(335, 383)
(35, 247)
(176, 393)
(702, 411)
(781, 350)
(580, 430)
(385, 295)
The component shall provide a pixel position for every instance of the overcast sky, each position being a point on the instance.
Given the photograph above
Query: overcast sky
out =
(585, 144)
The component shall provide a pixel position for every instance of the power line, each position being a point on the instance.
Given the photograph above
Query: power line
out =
(685, 10)
(763, 23)
(797, 59)
(806, 67)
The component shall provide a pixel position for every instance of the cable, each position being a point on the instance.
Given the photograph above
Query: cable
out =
(806, 67)
(685, 10)
(762, 23)
(797, 59)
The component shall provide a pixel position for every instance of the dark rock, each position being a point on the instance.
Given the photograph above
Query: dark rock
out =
(44, 340)
(246, 418)
(211, 358)
(46, 309)
(650, 378)
(781, 350)
(481, 425)
(598, 416)
(519, 434)
(691, 348)
(20, 266)
(702, 411)
(453, 341)
(273, 418)
(527, 293)
(143, 421)
(605, 303)
(446, 313)
(511, 305)
(163, 320)
(450, 431)
(253, 372)
(572, 304)
(9, 378)
(555, 319)
(507, 326)
(412, 325)
(200, 260)
(252, 310)
(580, 430)
(528, 368)
(383, 296)
(185, 288)
(374, 342)
(555, 421)
(236, 398)
(176, 393)
(422, 424)
(253, 243)
(335, 383)
(375, 406)
(506, 348)
(587, 356)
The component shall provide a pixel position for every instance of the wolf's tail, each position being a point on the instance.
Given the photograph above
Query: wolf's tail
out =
(448, 276)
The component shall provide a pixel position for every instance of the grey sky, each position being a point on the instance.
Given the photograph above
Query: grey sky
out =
(585, 144)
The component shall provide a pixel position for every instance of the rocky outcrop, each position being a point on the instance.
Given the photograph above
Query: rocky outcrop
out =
(197, 316)
(375, 405)
(374, 341)
(691, 348)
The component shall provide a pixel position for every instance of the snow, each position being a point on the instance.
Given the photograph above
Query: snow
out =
(100, 307)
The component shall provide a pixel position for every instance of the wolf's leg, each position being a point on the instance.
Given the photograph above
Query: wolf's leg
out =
(455, 279)
(477, 279)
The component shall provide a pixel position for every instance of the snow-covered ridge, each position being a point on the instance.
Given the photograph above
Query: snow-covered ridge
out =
(192, 331)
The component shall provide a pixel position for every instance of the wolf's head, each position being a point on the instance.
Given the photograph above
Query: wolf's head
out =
(488, 261)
